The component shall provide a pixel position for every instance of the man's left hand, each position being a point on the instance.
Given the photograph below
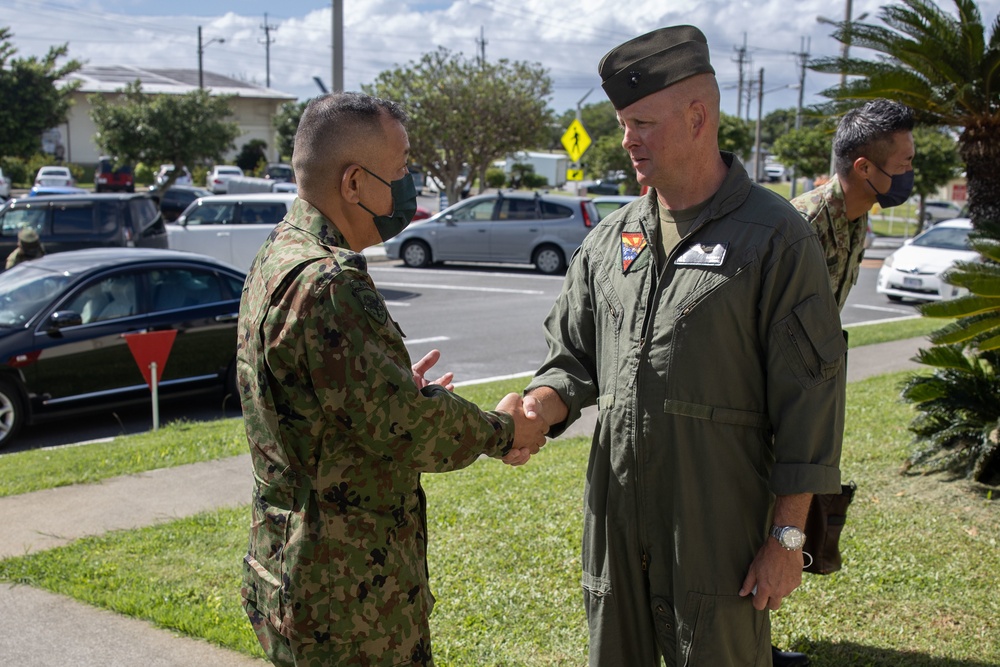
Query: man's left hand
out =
(421, 367)
(774, 573)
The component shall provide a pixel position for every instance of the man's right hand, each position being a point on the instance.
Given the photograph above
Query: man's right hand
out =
(529, 427)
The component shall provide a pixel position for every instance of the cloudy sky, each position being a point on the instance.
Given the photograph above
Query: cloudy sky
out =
(567, 37)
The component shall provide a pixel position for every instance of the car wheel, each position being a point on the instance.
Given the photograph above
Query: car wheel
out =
(549, 260)
(416, 254)
(11, 412)
(894, 297)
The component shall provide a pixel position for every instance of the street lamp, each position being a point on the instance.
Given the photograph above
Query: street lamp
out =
(201, 50)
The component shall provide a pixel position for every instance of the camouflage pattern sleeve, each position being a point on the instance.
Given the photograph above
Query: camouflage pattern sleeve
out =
(362, 377)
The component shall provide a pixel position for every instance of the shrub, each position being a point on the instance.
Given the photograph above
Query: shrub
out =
(495, 178)
(16, 170)
(250, 155)
(533, 180)
(143, 174)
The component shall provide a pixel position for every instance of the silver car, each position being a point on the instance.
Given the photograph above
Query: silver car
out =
(515, 227)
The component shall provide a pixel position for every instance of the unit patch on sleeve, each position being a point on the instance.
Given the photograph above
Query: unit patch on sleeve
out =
(371, 301)
(632, 244)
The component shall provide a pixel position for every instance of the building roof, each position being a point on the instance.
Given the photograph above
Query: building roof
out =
(168, 81)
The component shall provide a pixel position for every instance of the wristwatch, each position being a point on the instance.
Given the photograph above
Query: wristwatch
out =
(790, 537)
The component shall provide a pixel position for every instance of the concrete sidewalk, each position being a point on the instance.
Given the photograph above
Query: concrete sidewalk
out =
(46, 630)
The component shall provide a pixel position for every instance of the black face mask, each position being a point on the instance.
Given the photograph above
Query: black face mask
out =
(404, 206)
(899, 190)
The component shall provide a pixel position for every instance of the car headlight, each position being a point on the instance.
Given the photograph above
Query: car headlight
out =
(887, 262)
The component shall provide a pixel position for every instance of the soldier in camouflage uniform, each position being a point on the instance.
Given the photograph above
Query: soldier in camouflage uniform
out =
(29, 246)
(339, 424)
(874, 162)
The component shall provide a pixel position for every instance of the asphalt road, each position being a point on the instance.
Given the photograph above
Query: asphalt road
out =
(486, 320)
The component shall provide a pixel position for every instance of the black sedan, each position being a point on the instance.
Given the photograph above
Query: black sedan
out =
(63, 316)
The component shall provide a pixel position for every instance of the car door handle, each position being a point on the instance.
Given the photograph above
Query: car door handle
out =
(231, 317)
(222, 233)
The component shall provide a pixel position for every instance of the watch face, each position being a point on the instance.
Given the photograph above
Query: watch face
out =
(792, 538)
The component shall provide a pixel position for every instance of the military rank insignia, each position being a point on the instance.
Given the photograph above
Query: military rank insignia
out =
(632, 245)
(371, 301)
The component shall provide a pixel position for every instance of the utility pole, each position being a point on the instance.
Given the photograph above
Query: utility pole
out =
(750, 87)
(741, 54)
(201, 52)
(760, 107)
(267, 28)
(338, 46)
(481, 47)
(803, 56)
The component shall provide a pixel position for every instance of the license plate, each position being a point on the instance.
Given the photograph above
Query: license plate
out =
(912, 282)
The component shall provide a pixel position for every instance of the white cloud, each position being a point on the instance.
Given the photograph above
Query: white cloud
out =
(568, 38)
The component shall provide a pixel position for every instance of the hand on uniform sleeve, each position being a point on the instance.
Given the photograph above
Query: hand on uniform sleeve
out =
(529, 427)
(424, 365)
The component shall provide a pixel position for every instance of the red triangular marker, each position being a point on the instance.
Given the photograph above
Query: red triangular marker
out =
(149, 347)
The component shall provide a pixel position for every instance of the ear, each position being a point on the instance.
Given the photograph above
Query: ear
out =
(862, 166)
(697, 116)
(350, 184)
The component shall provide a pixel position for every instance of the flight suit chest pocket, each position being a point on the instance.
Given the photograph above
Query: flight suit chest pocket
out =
(812, 342)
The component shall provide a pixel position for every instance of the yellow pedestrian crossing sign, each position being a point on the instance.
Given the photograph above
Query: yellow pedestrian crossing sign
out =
(574, 174)
(576, 140)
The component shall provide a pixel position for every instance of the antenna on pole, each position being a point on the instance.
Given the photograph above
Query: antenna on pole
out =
(481, 47)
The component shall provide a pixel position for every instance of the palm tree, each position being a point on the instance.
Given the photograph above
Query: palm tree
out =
(947, 70)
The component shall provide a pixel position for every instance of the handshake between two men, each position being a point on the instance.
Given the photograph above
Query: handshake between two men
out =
(530, 426)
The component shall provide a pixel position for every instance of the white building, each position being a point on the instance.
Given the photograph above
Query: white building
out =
(253, 106)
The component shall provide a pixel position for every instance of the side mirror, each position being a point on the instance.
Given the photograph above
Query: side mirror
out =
(449, 219)
(63, 318)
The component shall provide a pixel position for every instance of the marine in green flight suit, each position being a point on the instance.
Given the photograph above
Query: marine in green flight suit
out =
(700, 321)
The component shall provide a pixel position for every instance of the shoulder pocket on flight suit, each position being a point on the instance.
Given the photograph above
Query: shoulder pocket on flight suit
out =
(812, 342)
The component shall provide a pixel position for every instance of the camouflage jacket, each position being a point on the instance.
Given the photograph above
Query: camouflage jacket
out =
(843, 240)
(339, 434)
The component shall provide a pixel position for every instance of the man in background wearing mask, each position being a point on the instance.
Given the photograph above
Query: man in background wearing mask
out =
(874, 162)
(339, 424)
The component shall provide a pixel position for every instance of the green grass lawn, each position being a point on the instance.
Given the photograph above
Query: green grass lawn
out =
(917, 589)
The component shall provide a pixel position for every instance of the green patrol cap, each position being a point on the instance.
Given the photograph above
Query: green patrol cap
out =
(27, 235)
(652, 62)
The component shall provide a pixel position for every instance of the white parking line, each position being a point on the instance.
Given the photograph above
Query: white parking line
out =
(499, 290)
(526, 272)
(432, 339)
(883, 309)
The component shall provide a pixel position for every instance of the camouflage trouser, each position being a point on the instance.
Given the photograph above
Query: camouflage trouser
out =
(285, 652)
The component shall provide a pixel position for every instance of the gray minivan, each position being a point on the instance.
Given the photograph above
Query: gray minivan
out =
(73, 222)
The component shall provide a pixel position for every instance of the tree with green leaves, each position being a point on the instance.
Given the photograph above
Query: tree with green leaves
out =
(467, 114)
(735, 135)
(251, 155)
(807, 150)
(181, 130)
(286, 123)
(606, 156)
(31, 101)
(947, 68)
(598, 119)
(936, 162)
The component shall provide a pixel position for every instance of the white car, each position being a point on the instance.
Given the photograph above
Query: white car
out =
(914, 271)
(229, 227)
(54, 176)
(608, 204)
(218, 179)
(164, 173)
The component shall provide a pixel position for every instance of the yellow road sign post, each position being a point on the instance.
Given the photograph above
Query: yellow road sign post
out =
(576, 141)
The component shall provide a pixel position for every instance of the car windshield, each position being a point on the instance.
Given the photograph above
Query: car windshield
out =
(948, 238)
(25, 290)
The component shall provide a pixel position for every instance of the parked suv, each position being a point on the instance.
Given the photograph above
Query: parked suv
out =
(72, 222)
(520, 227)
(229, 227)
(111, 178)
